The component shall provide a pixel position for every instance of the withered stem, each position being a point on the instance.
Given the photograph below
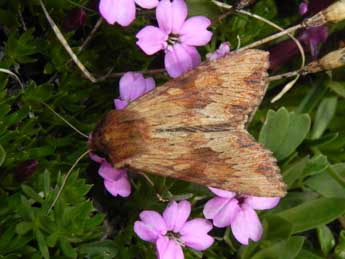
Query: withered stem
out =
(65, 44)
(92, 33)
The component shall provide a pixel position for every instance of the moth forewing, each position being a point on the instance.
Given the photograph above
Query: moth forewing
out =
(193, 128)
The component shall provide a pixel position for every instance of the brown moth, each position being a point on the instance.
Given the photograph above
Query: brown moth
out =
(193, 128)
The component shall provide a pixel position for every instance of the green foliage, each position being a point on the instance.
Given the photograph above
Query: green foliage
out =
(305, 131)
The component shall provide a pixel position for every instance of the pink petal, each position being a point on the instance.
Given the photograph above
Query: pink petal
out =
(168, 249)
(213, 206)
(194, 31)
(121, 11)
(147, 4)
(120, 187)
(150, 227)
(246, 225)
(119, 104)
(194, 234)
(222, 193)
(171, 15)
(108, 172)
(107, 8)
(96, 158)
(151, 39)
(223, 49)
(132, 86)
(262, 203)
(125, 12)
(225, 213)
(181, 58)
(176, 214)
(150, 84)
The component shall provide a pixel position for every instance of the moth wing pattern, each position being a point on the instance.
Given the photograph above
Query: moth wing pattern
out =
(194, 128)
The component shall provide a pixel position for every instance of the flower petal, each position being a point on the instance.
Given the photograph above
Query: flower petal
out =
(151, 226)
(147, 4)
(194, 234)
(125, 12)
(119, 104)
(168, 249)
(246, 225)
(194, 31)
(107, 8)
(108, 172)
(222, 50)
(213, 206)
(262, 203)
(96, 158)
(176, 215)
(151, 39)
(150, 84)
(222, 193)
(120, 187)
(171, 15)
(132, 86)
(226, 214)
(181, 58)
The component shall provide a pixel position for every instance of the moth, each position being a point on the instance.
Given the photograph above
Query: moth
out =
(193, 128)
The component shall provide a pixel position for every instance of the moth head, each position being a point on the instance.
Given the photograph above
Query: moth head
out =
(119, 136)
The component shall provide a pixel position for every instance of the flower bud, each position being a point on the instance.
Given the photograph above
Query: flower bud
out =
(333, 14)
(25, 169)
(331, 61)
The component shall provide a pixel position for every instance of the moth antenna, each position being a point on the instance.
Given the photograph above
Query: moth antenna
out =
(66, 121)
(65, 180)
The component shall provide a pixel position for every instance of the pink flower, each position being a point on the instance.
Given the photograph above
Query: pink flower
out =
(237, 211)
(303, 8)
(122, 11)
(176, 35)
(223, 49)
(115, 180)
(171, 230)
(132, 86)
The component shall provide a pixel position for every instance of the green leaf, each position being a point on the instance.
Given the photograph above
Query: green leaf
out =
(31, 193)
(324, 115)
(312, 214)
(287, 249)
(283, 132)
(202, 7)
(103, 249)
(42, 245)
(277, 228)
(326, 185)
(23, 227)
(339, 250)
(2, 155)
(294, 171)
(326, 239)
(305, 254)
(67, 249)
(337, 87)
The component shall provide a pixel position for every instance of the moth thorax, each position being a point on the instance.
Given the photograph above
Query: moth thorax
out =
(119, 136)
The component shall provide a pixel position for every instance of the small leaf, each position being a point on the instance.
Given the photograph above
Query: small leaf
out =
(31, 193)
(326, 239)
(67, 249)
(277, 229)
(291, 174)
(2, 155)
(324, 115)
(314, 213)
(287, 249)
(23, 227)
(42, 245)
(305, 254)
(339, 250)
(283, 132)
(337, 87)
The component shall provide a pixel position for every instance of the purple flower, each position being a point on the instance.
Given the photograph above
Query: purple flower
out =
(132, 86)
(75, 19)
(171, 230)
(223, 49)
(303, 8)
(312, 37)
(176, 35)
(122, 11)
(115, 180)
(237, 211)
